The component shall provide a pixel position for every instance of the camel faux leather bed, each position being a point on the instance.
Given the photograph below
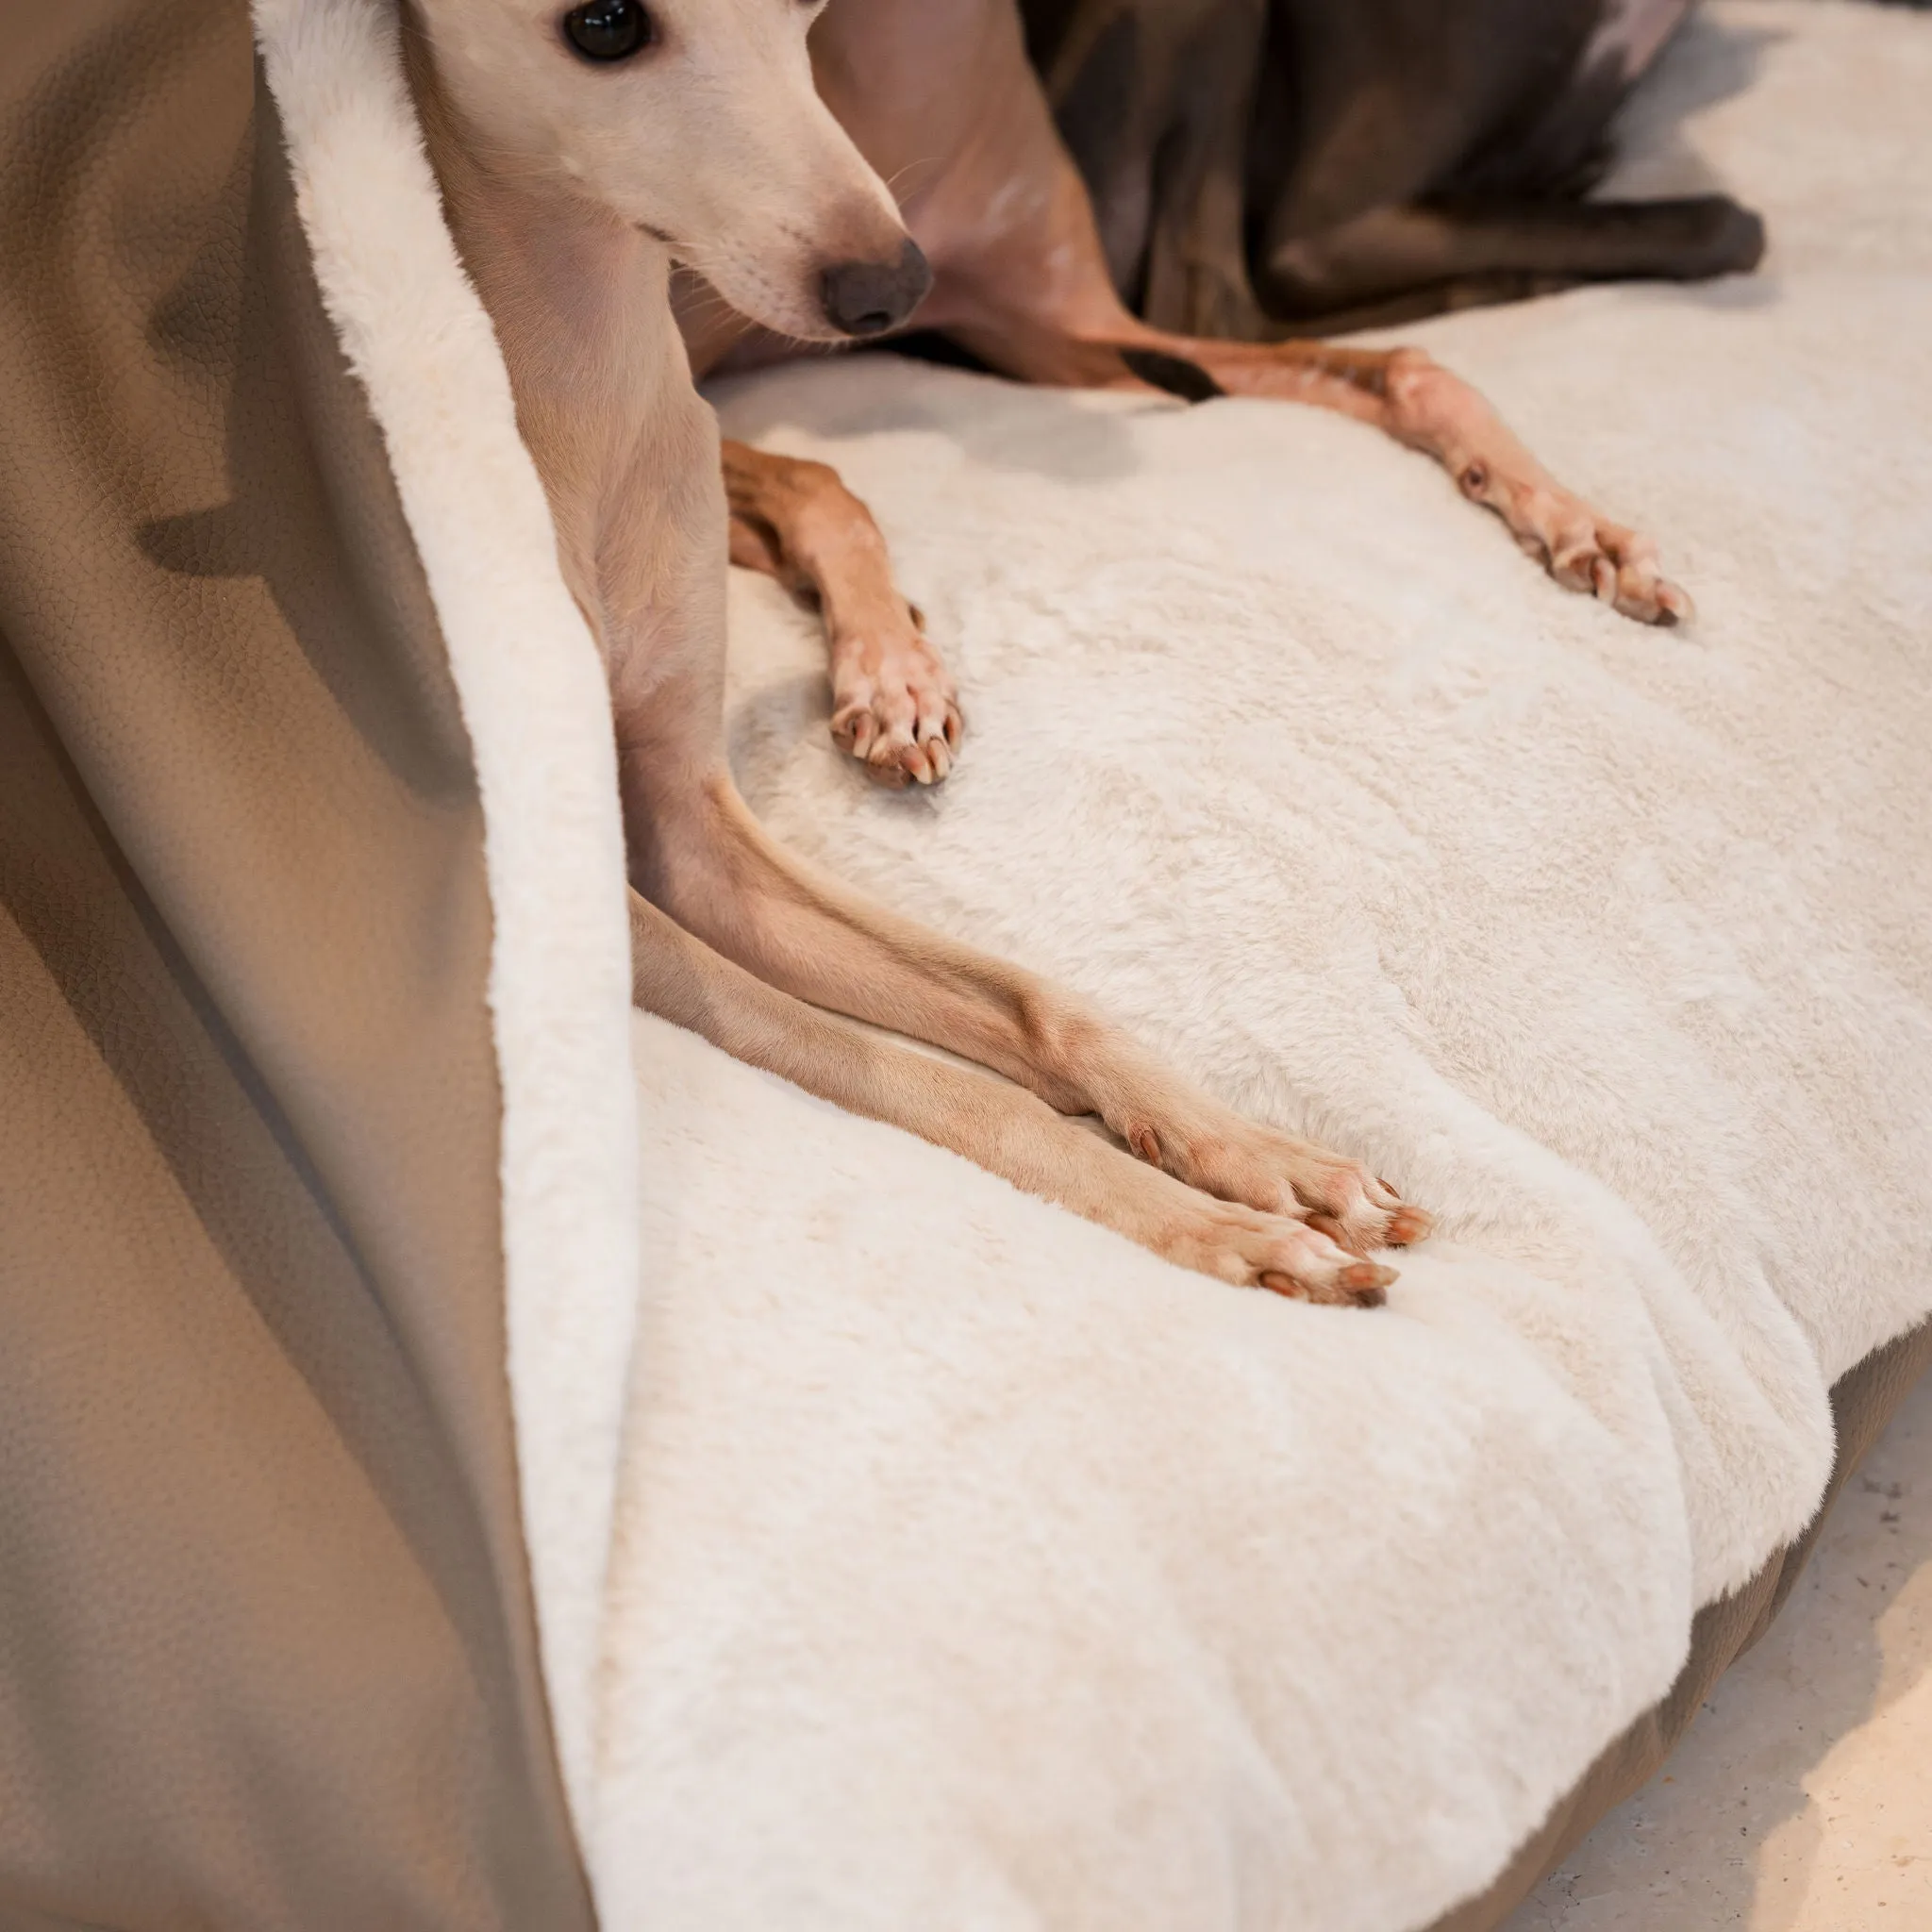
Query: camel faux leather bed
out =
(472, 1456)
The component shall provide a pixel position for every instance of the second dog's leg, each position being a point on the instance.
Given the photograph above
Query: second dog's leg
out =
(1420, 402)
(1475, 250)
(998, 1126)
(894, 705)
(702, 855)
(1022, 280)
(1400, 392)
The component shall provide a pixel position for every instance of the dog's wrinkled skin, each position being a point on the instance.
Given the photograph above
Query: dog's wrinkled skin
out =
(569, 187)
(941, 99)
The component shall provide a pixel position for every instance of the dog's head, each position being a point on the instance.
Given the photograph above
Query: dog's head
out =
(697, 121)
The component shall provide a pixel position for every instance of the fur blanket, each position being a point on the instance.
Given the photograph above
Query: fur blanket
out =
(916, 1554)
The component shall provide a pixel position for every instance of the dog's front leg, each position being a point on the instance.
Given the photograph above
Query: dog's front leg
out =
(1414, 399)
(709, 864)
(894, 705)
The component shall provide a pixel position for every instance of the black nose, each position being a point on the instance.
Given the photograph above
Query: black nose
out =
(866, 298)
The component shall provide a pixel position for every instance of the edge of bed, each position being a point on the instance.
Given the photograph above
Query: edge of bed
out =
(1863, 1401)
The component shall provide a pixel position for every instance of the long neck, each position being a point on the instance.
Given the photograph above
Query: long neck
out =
(569, 285)
(580, 301)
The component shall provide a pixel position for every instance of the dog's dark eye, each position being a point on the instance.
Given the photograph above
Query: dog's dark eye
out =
(609, 29)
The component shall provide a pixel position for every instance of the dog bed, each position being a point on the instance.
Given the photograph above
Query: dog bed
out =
(1091, 1599)
(476, 1456)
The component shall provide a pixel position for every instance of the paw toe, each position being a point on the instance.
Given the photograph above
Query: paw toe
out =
(928, 761)
(1366, 1283)
(854, 728)
(1670, 605)
(1407, 1225)
(902, 731)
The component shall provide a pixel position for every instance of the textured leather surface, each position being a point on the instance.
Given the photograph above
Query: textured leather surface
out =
(267, 1651)
(1863, 1400)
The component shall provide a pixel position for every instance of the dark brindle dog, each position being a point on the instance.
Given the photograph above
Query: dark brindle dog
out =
(1259, 167)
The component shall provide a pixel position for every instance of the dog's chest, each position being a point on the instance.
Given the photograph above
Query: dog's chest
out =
(660, 539)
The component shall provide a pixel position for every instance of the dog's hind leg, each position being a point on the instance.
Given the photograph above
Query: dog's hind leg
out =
(894, 705)
(998, 312)
(1395, 263)
(992, 1122)
(705, 860)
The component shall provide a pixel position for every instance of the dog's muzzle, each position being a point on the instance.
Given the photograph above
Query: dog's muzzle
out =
(866, 298)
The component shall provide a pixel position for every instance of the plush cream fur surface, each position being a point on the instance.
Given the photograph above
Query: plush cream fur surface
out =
(973, 1569)
(979, 1570)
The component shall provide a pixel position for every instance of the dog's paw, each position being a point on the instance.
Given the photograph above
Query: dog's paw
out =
(1342, 1199)
(894, 705)
(1432, 410)
(1275, 1252)
(1339, 1197)
(1586, 551)
(1240, 1160)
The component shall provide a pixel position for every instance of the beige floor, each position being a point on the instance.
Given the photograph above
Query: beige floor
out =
(1801, 1801)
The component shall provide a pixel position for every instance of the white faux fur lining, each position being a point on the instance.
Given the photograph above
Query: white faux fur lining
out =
(538, 711)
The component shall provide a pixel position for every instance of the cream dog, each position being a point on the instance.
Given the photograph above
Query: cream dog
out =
(580, 152)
